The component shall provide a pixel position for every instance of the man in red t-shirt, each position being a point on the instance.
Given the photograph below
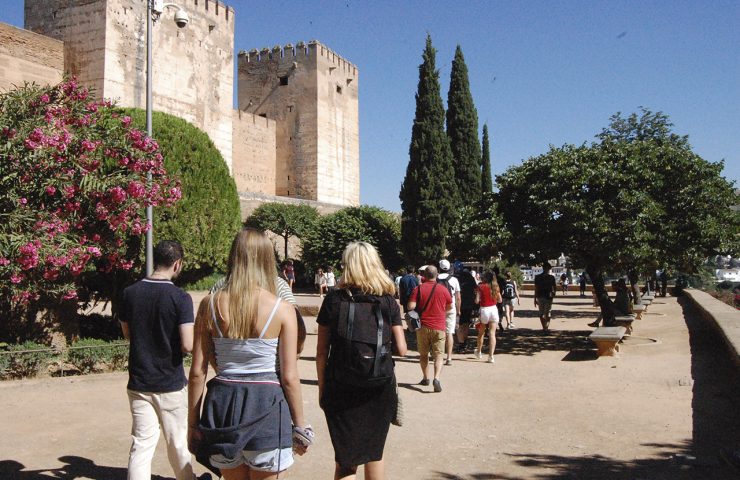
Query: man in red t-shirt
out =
(433, 302)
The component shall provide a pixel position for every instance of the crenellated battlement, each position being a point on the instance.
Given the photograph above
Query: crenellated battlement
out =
(211, 8)
(290, 53)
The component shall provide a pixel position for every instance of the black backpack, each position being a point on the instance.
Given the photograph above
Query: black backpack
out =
(509, 291)
(360, 349)
(446, 283)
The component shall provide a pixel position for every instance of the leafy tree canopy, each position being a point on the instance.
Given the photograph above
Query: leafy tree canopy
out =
(284, 219)
(324, 245)
(208, 216)
(638, 199)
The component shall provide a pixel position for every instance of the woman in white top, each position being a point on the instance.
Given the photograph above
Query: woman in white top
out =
(241, 331)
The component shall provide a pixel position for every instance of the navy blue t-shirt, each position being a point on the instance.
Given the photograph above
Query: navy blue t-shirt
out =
(154, 311)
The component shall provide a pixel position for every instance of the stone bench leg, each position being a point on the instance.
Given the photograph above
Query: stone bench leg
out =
(607, 348)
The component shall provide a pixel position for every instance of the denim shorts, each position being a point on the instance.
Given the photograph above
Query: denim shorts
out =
(261, 460)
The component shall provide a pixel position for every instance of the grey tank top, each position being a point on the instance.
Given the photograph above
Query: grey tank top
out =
(240, 356)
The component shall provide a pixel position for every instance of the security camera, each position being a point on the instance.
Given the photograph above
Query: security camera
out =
(181, 18)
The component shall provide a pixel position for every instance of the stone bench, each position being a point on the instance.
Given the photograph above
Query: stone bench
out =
(607, 340)
(625, 321)
(638, 310)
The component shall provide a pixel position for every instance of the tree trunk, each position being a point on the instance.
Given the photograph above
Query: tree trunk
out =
(606, 305)
(63, 324)
(285, 238)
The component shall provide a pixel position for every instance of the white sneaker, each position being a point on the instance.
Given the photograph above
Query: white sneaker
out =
(490, 360)
(477, 354)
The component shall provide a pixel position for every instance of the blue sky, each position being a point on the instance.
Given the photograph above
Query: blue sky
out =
(541, 72)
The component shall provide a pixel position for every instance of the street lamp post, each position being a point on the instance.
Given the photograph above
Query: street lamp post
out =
(154, 9)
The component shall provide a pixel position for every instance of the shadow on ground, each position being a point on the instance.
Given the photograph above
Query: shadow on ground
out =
(716, 399)
(75, 467)
(674, 462)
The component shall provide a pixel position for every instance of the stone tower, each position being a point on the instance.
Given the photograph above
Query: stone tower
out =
(312, 95)
(105, 47)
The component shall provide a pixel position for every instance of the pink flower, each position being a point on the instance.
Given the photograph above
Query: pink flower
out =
(51, 190)
(71, 294)
(4, 262)
(94, 251)
(51, 275)
(117, 194)
(16, 278)
(44, 98)
(126, 121)
(136, 189)
(22, 201)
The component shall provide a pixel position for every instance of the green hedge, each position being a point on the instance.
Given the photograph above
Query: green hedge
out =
(91, 355)
(24, 360)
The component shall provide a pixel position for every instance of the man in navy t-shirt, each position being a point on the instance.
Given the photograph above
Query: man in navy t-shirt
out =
(157, 318)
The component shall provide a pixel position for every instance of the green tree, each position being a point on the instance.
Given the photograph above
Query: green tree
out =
(637, 199)
(486, 180)
(285, 220)
(462, 129)
(324, 245)
(428, 194)
(208, 216)
(477, 231)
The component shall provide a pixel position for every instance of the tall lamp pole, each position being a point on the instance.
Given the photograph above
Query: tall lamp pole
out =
(154, 9)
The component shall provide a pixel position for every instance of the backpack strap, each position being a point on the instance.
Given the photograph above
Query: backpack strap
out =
(379, 343)
(350, 319)
(431, 294)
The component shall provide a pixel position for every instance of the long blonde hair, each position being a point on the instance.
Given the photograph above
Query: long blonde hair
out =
(364, 270)
(251, 268)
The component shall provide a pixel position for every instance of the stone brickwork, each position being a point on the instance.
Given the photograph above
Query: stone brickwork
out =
(311, 93)
(28, 57)
(80, 24)
(192, 67)
(295, 136)
(254, 153)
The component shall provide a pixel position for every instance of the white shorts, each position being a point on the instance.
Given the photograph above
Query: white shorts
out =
(489, 314)
(450, 321)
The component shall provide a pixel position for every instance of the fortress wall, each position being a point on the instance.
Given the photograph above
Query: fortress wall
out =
(80, 24)
(338, 129)
(192, 67)
(28, 57)
(280, 84)
(254, 153)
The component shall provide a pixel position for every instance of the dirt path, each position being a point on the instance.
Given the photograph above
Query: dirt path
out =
(547, 409)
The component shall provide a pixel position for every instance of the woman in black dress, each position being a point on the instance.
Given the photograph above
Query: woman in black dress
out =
(358, 417)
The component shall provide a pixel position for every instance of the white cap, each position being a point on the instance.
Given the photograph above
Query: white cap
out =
(444, 265)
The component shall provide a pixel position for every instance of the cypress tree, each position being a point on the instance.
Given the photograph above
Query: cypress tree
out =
(428, 194)
(462, 128)
(486, 181)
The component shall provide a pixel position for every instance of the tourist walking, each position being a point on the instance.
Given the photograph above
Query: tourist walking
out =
(243, 425)
(452, 286)
(320, 281)
(468, 299)
(331, 281)
(544, 292)
(433, 304)
(406, 285)
(359, 403)
(508, 295)
(564, 283)
(289, 273)
(582, 283)
(489, 296)
(157, 319)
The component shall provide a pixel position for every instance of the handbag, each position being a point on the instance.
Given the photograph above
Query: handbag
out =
(413, 318)
(397, 419)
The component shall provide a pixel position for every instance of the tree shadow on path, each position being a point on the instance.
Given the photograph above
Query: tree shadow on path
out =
(76, 467)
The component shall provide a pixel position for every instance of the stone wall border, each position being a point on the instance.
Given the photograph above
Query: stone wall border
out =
(723, 317)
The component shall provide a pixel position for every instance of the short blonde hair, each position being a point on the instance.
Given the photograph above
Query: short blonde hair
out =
(364, 270)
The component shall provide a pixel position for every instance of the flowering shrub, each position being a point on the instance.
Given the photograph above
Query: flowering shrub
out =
(73, 191)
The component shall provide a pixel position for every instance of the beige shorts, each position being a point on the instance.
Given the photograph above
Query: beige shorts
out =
(450, 321)
(428, 340)
(488, 315)
(544, 304)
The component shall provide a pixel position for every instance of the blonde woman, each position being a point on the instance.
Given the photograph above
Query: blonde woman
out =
(358, 415)
(244, 429)
(489, 296)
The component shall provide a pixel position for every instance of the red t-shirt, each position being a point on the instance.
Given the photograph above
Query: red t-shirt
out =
(434, 314)
(486, 296)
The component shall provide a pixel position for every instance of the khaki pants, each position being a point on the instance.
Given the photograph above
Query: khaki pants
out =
(150, 411)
